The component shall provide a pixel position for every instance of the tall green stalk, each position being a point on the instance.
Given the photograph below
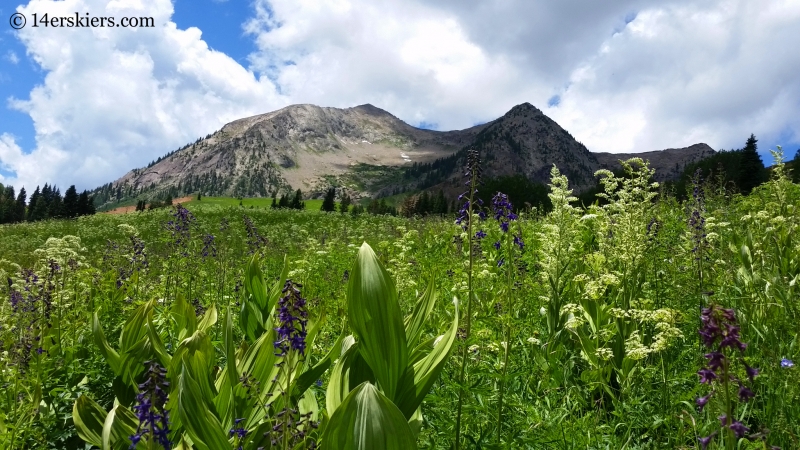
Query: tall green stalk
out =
(473, 181)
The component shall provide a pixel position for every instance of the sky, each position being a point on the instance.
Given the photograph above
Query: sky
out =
(83, 105)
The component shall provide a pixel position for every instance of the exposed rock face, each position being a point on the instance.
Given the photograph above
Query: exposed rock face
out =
(309, 147)
(299, 146)
(668, 163)
(525, 141)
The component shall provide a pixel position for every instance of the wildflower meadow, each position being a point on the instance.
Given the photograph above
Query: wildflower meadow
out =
(636, 322)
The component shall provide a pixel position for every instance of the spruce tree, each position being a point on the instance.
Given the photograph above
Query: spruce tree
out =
(71, 202)
(8, 205)
(55, 207)
(31, 210)
(284, 201)
(329, 202)
(344, 205)
(751, 169)
(297, 201)
(19, 206)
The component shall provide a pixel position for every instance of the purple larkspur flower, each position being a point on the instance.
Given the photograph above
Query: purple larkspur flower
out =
(706, 376)
(745, 393)
(150, 407)
(704, 441)
(292, 320)
(738, 429)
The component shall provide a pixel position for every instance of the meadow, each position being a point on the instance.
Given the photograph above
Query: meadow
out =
(639, 322)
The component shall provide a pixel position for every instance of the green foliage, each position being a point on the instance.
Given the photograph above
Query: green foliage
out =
(584, 342)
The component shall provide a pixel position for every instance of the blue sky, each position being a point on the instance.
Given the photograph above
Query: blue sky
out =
(84, 106)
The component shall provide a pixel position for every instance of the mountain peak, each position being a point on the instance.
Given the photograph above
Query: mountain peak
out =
(372, 110)
(523, 108)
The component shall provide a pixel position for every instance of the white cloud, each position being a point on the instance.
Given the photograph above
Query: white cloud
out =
(12, 57)
(629, 75)
(116, 98)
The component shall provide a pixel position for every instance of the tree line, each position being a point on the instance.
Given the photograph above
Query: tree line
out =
(45, 203)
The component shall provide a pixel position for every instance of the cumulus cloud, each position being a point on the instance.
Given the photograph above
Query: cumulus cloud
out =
(620, 75)
(116, 98)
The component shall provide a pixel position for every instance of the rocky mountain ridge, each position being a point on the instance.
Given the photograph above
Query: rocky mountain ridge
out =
(369, 152)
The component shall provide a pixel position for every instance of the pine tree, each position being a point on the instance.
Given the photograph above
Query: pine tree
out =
(34, 199)
(297, 201)
(344, 205)
(284, 201)
(71, 202)
(19, 206)
(86, 204)
(329, 202)
(2, 203)
(751, 169)
(55, 207)
(8, 205)
(38, 209)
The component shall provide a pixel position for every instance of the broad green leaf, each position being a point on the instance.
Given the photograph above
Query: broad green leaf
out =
(164, 358)
(250, 320)
(368, 420)
(200, 423)
(134, 329)
(184, 316)
(229, 348)
(426, 371)
(313, 374)
(111, 356)
(209, 319)
(89, 417)
(376, 320)
(422, 310)
(120, 424)
(350, 371)
(255, 289)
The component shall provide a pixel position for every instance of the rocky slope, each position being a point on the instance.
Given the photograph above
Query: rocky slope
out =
(371, 153)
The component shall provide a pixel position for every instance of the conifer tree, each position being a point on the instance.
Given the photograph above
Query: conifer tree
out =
(274, 202)
(284, 201)
(329, 202)
(34, 199)
(751, 169)
(297, 201)
(8, 205)
(795, 167)
(55, 207)
(86, 204)
(19, 206)
(344, 205)
(37, 209)
(71, 202)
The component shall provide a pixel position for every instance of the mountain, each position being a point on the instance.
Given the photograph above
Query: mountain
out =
(669, 163)
(368, 152)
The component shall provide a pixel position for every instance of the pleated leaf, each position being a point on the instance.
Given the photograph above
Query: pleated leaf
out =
(89, 417)
(422, 310)
(368, 420)
(376, 320)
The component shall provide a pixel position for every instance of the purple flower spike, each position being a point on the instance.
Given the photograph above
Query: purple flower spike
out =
(751, 372)
(715, 360)
(706, 376)
(739, 429)
(702, 401)
(723, 419)
(745, 393)
(704, 441)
